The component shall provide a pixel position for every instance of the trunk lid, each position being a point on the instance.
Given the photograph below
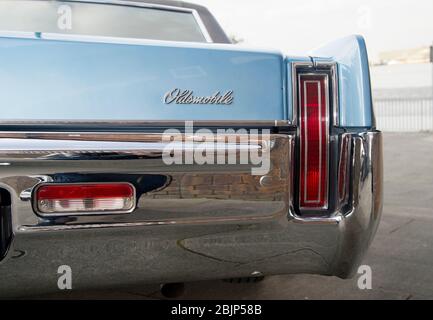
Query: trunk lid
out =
(63, 77)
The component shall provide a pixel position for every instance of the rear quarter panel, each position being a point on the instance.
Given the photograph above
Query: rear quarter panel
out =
(355, 99)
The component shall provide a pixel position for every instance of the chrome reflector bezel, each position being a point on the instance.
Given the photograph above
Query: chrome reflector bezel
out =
(322, 201)
(37, 209)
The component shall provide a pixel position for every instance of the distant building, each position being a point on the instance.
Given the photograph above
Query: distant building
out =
(416, 55)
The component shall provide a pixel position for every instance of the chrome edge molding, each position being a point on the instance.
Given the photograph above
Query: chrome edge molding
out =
(149, 123)
(344, 157)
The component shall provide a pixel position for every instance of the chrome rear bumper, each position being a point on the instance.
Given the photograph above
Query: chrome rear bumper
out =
(191, 222)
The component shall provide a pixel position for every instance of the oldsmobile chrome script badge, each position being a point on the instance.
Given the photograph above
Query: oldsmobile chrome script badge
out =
(179, 96)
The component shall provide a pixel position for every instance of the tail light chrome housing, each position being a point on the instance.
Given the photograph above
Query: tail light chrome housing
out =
(314, 140)
(315, 100)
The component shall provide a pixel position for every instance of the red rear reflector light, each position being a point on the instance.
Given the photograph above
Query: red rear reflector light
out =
(52, 199)
(314, 140)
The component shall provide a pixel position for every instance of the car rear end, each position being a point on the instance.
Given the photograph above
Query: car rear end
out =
(138, 161)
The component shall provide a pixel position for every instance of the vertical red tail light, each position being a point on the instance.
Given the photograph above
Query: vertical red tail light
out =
(314, 141)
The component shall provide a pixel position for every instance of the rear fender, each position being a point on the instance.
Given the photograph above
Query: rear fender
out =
(355, 100)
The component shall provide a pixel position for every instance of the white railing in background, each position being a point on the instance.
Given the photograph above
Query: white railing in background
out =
(404, 115)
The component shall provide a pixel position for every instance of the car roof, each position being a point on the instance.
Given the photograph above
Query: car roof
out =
(213, 28)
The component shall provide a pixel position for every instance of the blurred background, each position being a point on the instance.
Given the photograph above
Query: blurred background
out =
(399, 34)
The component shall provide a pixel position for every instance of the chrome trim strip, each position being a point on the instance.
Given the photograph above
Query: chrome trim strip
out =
(202, 26)
(152, 123)
(335, 93)
(345, 150)
(142, 224)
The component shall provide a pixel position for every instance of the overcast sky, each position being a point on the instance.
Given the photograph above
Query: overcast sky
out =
(295, 26)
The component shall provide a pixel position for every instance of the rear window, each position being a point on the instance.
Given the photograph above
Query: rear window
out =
(101, 19)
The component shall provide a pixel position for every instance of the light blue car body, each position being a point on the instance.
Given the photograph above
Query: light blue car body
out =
(115, 79)
(350, 53)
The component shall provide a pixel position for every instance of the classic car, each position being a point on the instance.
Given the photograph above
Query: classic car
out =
(139, 145)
